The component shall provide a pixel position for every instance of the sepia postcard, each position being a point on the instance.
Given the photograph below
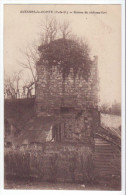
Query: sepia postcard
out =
(62, 97)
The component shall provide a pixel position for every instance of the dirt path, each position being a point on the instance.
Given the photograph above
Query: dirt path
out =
(10, 184)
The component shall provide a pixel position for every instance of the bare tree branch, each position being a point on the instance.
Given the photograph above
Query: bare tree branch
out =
(49, 29)
(65, 29)
(12, 85)
(30, 57)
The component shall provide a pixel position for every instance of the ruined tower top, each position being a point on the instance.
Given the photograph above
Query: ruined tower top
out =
(54, 90)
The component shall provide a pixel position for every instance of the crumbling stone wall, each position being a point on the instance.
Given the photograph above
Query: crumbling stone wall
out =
(78, 93)
(79, 126)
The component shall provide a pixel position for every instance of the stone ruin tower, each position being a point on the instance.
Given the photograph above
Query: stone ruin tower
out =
(74, 109)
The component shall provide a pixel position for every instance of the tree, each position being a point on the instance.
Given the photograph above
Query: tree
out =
(58, 49)
(27, 89)
(31, 54)
(12, 85)
(104, 108)
(65, 29)
(30, 58)
(49, 30)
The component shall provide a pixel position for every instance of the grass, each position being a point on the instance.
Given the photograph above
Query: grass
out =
(19, 110)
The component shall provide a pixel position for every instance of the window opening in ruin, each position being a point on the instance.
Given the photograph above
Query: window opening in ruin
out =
(58, 132)
(66, 109)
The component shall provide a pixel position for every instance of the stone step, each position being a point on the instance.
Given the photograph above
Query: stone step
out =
(105, 158)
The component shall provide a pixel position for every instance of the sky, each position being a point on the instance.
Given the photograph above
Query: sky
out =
(99, 24)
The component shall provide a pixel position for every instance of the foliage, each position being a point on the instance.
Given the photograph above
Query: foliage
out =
(115, 108)
(67, 55)
(38, 161)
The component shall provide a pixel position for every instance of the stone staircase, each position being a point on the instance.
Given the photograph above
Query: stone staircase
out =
(107, 159)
